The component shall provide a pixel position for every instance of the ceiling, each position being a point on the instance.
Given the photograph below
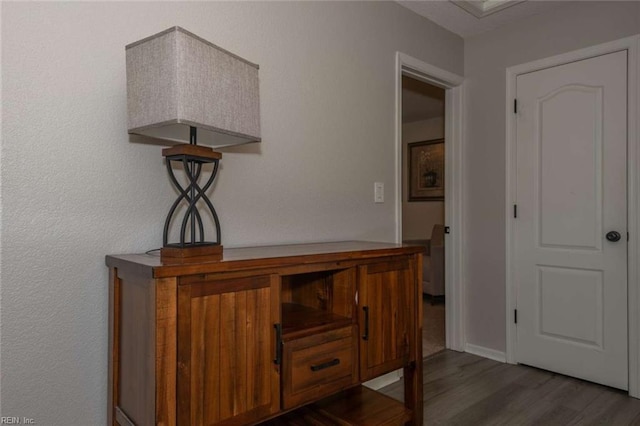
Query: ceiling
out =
(421, 101)
(472, 17)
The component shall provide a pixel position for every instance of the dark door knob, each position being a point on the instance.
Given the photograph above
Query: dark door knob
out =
(613, 236)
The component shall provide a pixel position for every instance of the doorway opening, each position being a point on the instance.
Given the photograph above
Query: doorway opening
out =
(453, 87)
(423, 198)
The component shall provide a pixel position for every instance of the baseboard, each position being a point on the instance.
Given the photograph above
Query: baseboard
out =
(385, 380)
(486, 352)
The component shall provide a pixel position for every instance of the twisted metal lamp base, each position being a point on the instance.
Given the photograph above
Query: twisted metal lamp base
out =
(192, 157)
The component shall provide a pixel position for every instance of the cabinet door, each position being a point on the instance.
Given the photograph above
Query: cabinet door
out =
(386, 316)
(226, 347)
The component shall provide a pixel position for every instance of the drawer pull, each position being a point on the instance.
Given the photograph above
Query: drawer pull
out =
(365, 336)
(325, 365)
(278, 358)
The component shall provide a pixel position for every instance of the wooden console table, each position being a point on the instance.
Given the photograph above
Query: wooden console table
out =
(281, 334)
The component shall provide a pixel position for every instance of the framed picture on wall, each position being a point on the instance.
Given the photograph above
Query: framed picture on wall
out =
(426, 170)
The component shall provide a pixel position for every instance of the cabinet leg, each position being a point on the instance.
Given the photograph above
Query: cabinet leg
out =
(413, 391)
(114, 346)
(413, 388)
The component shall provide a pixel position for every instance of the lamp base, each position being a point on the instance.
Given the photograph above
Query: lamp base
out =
(210, 251)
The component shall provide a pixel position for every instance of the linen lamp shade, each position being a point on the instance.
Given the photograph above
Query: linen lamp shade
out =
(177, 80)
(185, 89)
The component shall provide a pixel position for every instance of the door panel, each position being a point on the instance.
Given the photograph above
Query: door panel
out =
(581, 289)
(571, 190)
(226, 369)
(386, 300)
(570, 210)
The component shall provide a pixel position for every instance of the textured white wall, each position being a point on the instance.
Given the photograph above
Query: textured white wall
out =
(572, 26)
(418, 217)
(74, 188)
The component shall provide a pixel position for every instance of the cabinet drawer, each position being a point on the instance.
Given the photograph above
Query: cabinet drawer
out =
(318, 365)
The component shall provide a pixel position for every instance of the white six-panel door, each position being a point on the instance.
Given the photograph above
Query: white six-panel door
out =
(571, 192)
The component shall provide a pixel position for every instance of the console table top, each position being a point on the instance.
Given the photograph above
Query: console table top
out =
(260, 257)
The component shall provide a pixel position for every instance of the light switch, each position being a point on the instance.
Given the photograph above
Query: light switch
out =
(378, 192)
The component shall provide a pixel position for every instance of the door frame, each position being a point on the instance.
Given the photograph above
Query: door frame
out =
(632, 46)
(453, 206)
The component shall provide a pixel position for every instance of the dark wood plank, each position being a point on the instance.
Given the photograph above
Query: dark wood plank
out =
(225, 355)
(241, 370)
(413, 373)
(114, 346)
(194, 150)
(389, 295)
(254, 347)
(236, 259)
(301, 417)
(209, 287)
(275, 317)
(210, 358)
(228, 356)
(363, 406)
(343, 285)
(191, 254)
(198, 354)
(166, 350)
(358, 406)
(184, 331)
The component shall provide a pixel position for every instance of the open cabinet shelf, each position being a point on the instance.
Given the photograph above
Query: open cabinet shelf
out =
(356, 406)
(299, 320)
(319, 301)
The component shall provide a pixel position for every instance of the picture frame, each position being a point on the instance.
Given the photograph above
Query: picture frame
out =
(426, 177)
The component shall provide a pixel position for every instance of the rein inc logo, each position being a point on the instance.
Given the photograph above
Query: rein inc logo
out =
(6, 420)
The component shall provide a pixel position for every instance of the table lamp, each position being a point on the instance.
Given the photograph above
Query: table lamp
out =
(185, 89)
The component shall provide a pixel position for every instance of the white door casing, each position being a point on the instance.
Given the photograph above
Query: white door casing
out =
(571, 131)
(454, 244)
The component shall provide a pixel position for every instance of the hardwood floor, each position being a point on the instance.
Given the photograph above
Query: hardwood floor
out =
(464, 389)
(433, 328)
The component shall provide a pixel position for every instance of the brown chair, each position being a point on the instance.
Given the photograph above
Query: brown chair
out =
(433, 265)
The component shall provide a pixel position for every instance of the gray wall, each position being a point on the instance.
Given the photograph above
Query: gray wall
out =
(74, 188)
(571, 26)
